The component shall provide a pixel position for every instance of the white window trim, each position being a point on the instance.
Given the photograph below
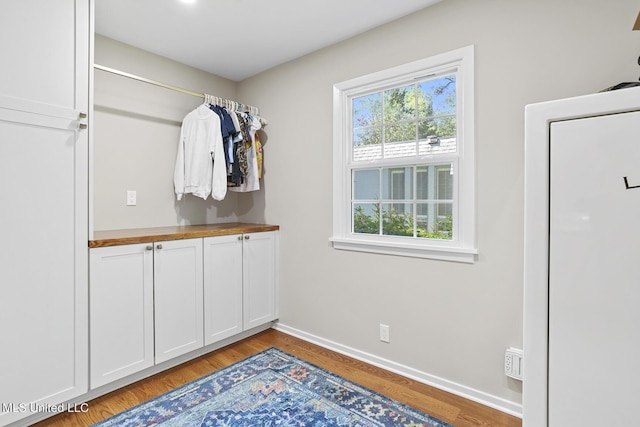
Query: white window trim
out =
(463, 247)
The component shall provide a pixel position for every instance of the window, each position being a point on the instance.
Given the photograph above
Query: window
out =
(404, 160)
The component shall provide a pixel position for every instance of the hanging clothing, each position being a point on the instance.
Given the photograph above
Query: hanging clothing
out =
(200, 162)
(258, 154)
(251, 180)
(240, 165)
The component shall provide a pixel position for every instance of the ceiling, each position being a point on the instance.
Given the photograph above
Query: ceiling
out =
(237, 39)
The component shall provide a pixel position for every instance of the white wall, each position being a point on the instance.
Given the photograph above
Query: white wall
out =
(449, 320)
(136, 131)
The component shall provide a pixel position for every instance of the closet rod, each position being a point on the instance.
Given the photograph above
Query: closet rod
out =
(168, 86)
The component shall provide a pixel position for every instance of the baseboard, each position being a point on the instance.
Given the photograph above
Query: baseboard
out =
(474, 395)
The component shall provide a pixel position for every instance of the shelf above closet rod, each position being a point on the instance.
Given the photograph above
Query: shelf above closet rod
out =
(250, 108)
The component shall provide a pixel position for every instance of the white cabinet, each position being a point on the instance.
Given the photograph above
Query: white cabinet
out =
(222, 287)
(153, 302)
(44, 88)
(146, 306)
(121, 311)
(239, 283)
(582, 299)
(259, 262)
(178, 292)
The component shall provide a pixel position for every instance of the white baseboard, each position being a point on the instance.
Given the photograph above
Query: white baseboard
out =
(474, 395)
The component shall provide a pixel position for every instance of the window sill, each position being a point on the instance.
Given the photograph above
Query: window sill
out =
(442, 253)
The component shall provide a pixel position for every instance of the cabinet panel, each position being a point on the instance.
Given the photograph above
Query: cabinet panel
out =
(178, 287)
(594, 292)
(121, 312)
(43, 176)
(39, 62)
(222, 287)
(259, 276)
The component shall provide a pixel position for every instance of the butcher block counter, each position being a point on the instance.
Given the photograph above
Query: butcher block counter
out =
(153, 234)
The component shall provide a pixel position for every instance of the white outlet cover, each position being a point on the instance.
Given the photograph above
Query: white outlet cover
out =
(131, 198)
(513, 363)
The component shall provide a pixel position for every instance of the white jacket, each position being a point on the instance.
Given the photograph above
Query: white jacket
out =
(200, 164)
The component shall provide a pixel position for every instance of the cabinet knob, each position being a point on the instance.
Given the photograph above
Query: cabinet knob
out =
(239, 237)
(149, 247)
(82, 115)
(159, 246)
(247, 237)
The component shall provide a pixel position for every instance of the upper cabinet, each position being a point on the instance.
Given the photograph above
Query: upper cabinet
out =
(45, 54)
(44, 97)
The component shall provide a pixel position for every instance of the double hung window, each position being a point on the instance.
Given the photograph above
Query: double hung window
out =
(403, 160)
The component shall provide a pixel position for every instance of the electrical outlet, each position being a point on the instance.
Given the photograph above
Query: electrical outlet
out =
(513, 363)
(384, 333)
(131, 198)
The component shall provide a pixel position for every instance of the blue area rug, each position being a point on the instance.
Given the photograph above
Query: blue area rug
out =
(271, 389)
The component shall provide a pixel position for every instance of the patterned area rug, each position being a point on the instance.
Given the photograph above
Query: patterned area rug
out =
(270, 389)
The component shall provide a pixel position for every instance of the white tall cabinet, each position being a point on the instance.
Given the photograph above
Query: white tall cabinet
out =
(44, 101)
(582, 281)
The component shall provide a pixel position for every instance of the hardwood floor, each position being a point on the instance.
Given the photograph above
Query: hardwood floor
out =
(445, 406)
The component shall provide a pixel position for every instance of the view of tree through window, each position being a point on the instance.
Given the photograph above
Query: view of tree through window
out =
(405, 122)
(416, 113)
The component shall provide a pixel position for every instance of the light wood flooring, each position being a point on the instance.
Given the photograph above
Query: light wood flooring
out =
(445, 406)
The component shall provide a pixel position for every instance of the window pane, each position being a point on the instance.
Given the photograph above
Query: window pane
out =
(367, 110)
(400, 132)
(400, 104)
(397, 183)
(367, 144)
(437, 136)
(367, 136)
(441, 127)
(422, 183)
(431, 224)
(400, 149)
(366, 184)
(441, 146)
(438, 96)
(397, 219)
(445, 182)
(434, 182)
(366, 218)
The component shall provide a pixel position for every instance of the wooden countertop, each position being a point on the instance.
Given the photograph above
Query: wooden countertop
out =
(154, 234)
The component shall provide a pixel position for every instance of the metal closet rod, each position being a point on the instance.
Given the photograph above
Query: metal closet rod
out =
(172, 87)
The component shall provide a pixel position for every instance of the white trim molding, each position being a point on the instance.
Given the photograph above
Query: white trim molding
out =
(469, 393)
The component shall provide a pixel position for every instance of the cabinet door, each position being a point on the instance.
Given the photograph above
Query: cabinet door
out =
(259, 276)
(222, 287)
(178, 298)
(120, 312)
(594, 279)
(43, 179)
